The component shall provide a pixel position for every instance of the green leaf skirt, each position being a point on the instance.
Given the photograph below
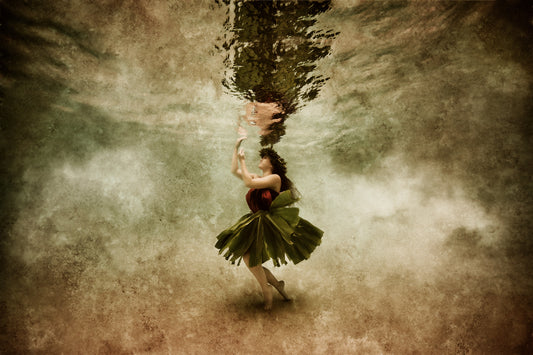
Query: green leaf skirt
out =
(277, 234)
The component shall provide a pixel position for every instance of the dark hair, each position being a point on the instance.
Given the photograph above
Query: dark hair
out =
(277, 131)
(279, 167)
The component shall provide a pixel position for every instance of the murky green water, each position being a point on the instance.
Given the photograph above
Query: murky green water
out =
(407, 129)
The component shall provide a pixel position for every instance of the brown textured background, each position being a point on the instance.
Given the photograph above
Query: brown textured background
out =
(415, 160)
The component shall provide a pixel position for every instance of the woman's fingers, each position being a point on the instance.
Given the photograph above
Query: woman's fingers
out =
(239, 140)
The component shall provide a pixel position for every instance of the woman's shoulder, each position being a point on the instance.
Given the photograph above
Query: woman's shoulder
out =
(276, 177)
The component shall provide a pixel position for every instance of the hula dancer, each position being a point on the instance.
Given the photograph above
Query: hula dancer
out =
(272, 230)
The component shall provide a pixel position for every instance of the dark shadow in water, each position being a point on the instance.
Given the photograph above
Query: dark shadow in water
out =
(35, 136)
(250, 305)
(43, 127)
(272, 52)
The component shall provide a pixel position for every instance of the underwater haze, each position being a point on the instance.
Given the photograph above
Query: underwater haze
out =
(409, 137)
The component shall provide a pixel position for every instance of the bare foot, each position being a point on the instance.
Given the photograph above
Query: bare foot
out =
(281, 289)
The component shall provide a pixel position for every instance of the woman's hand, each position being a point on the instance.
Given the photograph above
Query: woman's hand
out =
(240, 155)
(239, 141)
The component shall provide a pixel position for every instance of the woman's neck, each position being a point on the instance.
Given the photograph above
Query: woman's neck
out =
(267, 172)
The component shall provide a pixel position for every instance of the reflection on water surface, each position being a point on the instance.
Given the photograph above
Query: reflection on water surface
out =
(271, 54)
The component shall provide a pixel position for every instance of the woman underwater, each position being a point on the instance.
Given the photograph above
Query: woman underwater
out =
(272, 230)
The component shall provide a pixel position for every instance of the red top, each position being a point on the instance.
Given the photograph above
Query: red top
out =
(260, 199)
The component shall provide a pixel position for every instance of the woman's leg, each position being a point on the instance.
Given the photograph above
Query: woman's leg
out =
(279, 285)
(260, 275)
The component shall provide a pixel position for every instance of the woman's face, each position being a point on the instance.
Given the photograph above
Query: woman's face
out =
(265, 164)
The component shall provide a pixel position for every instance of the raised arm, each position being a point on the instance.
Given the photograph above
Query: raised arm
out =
(272, 181)
(234, 160)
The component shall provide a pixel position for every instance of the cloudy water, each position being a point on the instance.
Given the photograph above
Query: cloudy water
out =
(406, 126)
